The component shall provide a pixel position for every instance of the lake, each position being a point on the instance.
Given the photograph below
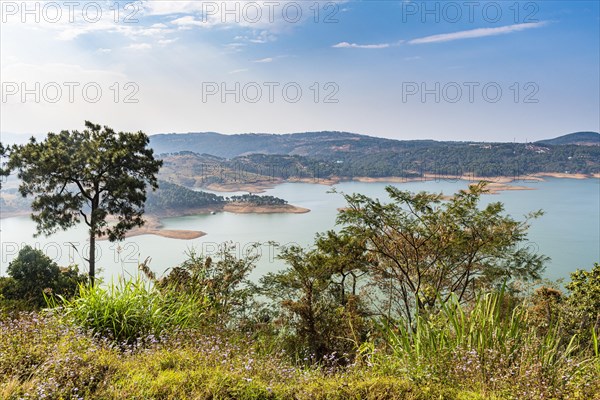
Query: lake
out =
(568, 232)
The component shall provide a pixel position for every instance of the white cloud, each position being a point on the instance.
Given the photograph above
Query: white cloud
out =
(139, 46)
(188, 21)
(273, 17)
(153, 7)
(164, 42)
(257, 37)
(264, 60)
(67, 30)
(476, 33)
(103, 51)
(237, 71)
(262, 37)
(346, 45)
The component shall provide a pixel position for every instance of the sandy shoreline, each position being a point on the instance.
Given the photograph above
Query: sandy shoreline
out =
(317, 181)
(259, 187)
(564, 175)
(241, 208)
(496, 183)
(153, 226)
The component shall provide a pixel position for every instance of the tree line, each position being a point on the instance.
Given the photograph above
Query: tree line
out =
(254, 199)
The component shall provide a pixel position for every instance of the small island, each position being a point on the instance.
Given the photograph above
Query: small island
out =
(172, 200)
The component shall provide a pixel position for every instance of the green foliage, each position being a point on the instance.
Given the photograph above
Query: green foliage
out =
(34, 277)
(583, 303)
(258, 200)
(547, 308)
(425, 250)
(4, 171)
(170, 197)
(480, 348)
(318, 300)
(90, 174)
(131, 311)
(223, 284)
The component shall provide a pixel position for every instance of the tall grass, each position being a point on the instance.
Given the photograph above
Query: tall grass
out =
(485, 349)
(131, 310)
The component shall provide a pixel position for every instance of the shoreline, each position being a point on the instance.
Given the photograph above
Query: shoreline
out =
(153, 226)
(241, 208)
(496, 183)
(153, 222)
(258, 187)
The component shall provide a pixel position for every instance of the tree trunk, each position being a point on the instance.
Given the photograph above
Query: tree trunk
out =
(92, 256)
(93, 231)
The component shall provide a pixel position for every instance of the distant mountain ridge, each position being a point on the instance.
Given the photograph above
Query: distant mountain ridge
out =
(316, 144)
(575, 138)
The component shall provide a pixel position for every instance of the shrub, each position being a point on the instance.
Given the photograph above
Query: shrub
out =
(583, 303)
(33, 277)
(131, 311)
(319, 310)
(221, 282)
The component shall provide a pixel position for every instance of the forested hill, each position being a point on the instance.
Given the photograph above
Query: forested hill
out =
(305, 144)
(576, 138)
(562, 154)
(203, 159)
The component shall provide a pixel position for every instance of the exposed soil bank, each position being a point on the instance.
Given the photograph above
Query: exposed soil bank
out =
(242, 208)
(153, 226)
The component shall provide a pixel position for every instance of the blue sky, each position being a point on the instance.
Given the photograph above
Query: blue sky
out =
(466, 70)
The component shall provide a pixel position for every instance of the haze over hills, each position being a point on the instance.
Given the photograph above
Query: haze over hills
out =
(304, 144)
(312, 144)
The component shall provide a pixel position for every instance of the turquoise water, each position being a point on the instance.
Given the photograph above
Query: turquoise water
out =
(569, 232)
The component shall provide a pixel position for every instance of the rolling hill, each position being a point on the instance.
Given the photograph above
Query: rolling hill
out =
(576, 138)
(304, 144)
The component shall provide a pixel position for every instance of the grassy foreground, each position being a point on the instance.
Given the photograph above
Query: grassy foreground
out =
(42, 358)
